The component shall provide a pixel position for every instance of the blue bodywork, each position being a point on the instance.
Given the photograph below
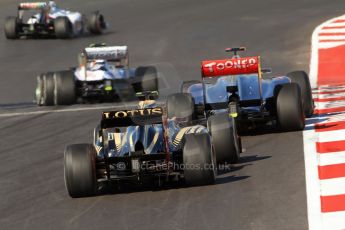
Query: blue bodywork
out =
(124, 73)
(248, 88)
(122, 141)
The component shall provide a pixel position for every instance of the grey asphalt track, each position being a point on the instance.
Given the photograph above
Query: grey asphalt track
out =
(265, 191)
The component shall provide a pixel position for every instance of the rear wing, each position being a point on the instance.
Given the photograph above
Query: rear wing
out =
(32, 6)
(107, 53)
(132, 117)
(234, 66)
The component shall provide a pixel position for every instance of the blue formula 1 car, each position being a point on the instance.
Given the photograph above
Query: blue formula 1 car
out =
(145, 142)
(236, 85)
(103, 75)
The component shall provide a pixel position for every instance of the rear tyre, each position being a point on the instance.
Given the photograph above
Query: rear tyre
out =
(11, 28)
(186, 84)
(148, 78)
(64, 93)
(302, 79)
(80, 170)
(180, 105)
(289, 106)
(198, 159)
(226, 142)
(96, 23)
(63, 28)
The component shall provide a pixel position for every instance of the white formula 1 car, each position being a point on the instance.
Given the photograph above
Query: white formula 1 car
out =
(51, 21)
(103, 75)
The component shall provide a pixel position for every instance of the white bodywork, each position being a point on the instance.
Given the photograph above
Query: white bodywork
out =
(97, 68)
(75, 18)
(97, 71)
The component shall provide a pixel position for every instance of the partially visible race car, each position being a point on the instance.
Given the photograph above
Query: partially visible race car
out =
(236, 85)
(51, 21)
(149, 141)
(103, 75)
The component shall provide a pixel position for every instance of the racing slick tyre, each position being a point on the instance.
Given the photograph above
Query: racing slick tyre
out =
(64, 93)
(45, 89)
(63, 28)
(180, 105)
(96, 23)
(290, 113)
(198, 160)
(302, 79)
(11, 27)
(186, 84)
(80, 170)
(148, 78)
(226, 142)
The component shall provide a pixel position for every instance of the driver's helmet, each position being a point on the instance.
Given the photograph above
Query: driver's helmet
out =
(33, 19)
(52, 5)
(97, 64)
(147, 104)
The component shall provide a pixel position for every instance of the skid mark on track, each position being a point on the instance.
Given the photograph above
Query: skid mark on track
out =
(80, 214)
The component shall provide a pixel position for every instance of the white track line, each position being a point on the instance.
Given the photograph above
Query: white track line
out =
(312, 180)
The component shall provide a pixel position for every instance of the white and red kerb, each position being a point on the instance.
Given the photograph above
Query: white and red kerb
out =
(324, 138)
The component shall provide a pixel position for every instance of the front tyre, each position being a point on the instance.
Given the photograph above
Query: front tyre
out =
(80, 170)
